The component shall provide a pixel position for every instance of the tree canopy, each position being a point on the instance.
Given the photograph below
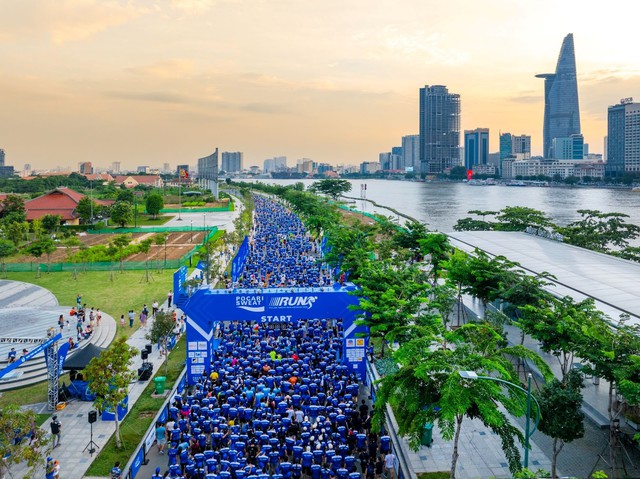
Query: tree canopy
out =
(21, 440)
(109, 376)
(122, 213)
(331, 187)
(153, 204)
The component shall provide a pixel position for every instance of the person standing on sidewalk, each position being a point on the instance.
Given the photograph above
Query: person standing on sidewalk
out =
(169, 299)
(56, 430)
(154, 308)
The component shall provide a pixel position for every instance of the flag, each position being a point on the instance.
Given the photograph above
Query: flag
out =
(469, 175)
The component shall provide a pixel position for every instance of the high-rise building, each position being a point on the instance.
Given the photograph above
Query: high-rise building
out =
(231, 161)
(5, 171)
(439, 129)
(143, 169)
(561, 111)
(411, 152)
(521, 145)
(166, 168)
(571, 148)
(305, 165)
(85, 168)
(506, 145)
(115, 167)
(208, 172)
(476, 147)
(277, 163)
(623, 138)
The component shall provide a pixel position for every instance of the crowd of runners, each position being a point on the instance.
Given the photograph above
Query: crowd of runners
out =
(282, 253)
(277, 403)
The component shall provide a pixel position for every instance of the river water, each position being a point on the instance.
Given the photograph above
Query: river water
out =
(440, 205)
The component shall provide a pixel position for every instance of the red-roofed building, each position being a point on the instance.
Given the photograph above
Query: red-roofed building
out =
(61, 201)
(132, 181)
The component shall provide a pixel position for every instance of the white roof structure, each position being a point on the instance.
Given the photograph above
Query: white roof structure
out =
(612, 282)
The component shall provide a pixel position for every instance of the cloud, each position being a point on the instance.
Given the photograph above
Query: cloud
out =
(263, 107)
(63, 20)
(166, 69)
(157, 97)
(193, 7)
(608, 75)
(73, 20)
(403, 43)
(526, 98)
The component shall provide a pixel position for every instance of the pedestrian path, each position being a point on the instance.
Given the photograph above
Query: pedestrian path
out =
(76, 430)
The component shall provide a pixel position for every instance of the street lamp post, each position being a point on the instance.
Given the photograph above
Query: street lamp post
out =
(192, 231)
(91, 201)
(528, 432)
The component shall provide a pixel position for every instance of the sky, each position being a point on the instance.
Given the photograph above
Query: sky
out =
(147, 82)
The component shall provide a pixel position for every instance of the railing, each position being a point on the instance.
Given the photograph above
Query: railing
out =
(403, 467)
(139, 459)
(79, 266)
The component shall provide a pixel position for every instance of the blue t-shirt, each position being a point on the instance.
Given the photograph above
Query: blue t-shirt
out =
(116, 473)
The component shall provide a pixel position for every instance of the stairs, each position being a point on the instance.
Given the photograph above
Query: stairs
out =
(35, 370)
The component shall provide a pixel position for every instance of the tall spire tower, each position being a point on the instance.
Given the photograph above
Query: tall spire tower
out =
(561, 111)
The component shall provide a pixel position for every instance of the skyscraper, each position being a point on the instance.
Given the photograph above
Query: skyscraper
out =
(231, 161)
(5, 171)
(623, 138)
(561, 111)
(411, 152)
(439, 129)
(476, 147)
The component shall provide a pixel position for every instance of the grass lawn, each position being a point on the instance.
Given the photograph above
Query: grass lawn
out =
(42, 418)
(434, 475)
(29, 395)
(128, 290)
(135, 424)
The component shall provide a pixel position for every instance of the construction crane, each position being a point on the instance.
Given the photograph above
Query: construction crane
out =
(49, 345)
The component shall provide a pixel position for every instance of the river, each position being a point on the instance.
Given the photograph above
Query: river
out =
(440, 205)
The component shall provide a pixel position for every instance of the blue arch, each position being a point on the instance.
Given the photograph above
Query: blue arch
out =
(208, 307)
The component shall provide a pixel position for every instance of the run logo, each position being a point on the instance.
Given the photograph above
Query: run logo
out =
(305, 302)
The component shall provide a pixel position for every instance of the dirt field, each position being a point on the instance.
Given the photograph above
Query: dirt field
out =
(178, 244)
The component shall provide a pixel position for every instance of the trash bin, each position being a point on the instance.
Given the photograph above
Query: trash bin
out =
(427, 435)
(159, 382)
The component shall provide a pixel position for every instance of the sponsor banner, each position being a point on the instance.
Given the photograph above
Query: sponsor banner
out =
(239, 260)
(179, 277)
(137, 463)
(151, 438)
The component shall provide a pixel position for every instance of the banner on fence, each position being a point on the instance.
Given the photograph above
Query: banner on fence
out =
(137, 463)
(240, 259)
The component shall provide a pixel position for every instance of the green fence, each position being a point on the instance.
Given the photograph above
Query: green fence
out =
(152, 229)
(196, 209)
(153, 264)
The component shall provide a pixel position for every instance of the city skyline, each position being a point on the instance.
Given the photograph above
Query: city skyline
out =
(105, 81)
